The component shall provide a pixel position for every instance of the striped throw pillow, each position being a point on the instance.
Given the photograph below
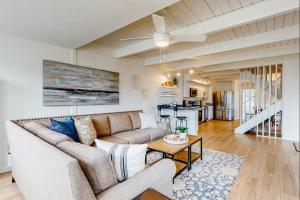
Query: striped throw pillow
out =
(127, 159)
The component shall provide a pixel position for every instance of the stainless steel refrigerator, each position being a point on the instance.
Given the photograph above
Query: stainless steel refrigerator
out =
(224, 105)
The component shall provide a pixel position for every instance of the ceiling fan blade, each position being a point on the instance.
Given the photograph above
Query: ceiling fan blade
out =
(159, 23)
(188, 37)
(139, 38)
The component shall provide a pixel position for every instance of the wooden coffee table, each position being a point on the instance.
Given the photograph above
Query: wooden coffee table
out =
(151, 194)
(183, 159)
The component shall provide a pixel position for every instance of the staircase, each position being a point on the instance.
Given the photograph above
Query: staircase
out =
(261, 100)
(254, 79)
(260, 117)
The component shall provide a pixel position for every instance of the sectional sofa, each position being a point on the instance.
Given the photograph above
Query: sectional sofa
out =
(50, 166)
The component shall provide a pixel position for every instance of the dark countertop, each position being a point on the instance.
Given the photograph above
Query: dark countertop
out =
(181, 107)
(186, 108)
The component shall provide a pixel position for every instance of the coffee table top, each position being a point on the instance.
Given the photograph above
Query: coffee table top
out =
(162, 146)
(151, 194)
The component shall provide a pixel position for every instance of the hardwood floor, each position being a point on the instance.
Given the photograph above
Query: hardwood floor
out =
(8, 190)
(270, 169)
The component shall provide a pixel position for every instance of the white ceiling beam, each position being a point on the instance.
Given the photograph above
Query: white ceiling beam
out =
(258, 11)
(219, 73)
(225, 78)
(237, 57)
(240, 43)
(247, 63)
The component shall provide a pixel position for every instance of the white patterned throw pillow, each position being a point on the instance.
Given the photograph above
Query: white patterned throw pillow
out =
(147, 121)
(127, 159)
(86, 130)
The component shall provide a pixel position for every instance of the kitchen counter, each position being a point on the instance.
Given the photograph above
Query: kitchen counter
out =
(186, 108)
(192, 113)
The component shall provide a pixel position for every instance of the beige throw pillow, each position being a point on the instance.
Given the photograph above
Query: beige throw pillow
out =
(86, 130)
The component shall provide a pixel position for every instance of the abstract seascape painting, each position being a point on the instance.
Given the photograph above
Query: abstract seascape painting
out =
(69, 85)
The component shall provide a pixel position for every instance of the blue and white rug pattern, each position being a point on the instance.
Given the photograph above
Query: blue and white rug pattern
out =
(210, 178)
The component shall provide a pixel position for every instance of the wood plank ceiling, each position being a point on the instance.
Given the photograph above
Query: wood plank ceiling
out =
(188, 12)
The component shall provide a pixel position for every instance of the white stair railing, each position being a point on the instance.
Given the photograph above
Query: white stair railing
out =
(260, 117)
(260, 98)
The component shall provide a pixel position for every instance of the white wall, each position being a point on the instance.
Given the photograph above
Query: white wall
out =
(222, 85)
(290, 89)
(139, 85)
(236, 89)
(21, 82)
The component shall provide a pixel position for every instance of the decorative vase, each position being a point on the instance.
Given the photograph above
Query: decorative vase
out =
(183, 135)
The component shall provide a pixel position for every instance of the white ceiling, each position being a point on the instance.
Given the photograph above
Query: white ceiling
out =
(233, 27)
(178, 15)
(72, 23)
(272, 25)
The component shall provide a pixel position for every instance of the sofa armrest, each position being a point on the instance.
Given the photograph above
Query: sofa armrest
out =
(158, 176)
(165, 126)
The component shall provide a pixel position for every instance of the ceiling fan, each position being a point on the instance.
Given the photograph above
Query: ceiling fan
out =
(162, 38)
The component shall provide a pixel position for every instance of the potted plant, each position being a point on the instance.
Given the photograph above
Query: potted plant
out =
(182, 131)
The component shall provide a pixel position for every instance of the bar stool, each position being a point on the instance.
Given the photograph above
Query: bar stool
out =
(163, 117)
(181, 119)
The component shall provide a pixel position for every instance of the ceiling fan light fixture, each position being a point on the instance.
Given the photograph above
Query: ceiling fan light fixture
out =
(162, 44)
(161, 39)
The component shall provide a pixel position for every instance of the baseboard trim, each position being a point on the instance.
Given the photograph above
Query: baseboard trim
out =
(5, 169)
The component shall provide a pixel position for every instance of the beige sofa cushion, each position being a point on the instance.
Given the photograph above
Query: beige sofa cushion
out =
(134, 137)
(120, 122)
(95, 164)
(153, 133)
(101, 124)
(114, 139)
(135, 120)
(46, 134)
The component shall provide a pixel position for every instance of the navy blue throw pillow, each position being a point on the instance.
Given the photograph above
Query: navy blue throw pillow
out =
(66, 127)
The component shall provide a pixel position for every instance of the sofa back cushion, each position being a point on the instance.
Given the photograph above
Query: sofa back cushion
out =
(101, 124)
(135, 120)
(95, 164)
(119, 122)
(46, 134)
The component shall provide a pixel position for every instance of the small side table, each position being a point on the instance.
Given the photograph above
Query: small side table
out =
(151, 194)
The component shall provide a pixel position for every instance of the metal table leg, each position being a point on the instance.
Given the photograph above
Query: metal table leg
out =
(201, 149)
(189, 158)
(164, 155)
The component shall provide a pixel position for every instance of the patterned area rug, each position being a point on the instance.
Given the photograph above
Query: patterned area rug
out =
(210, 178)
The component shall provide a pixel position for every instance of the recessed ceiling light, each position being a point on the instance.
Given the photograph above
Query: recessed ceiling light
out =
(191, 71)
(178, 74)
